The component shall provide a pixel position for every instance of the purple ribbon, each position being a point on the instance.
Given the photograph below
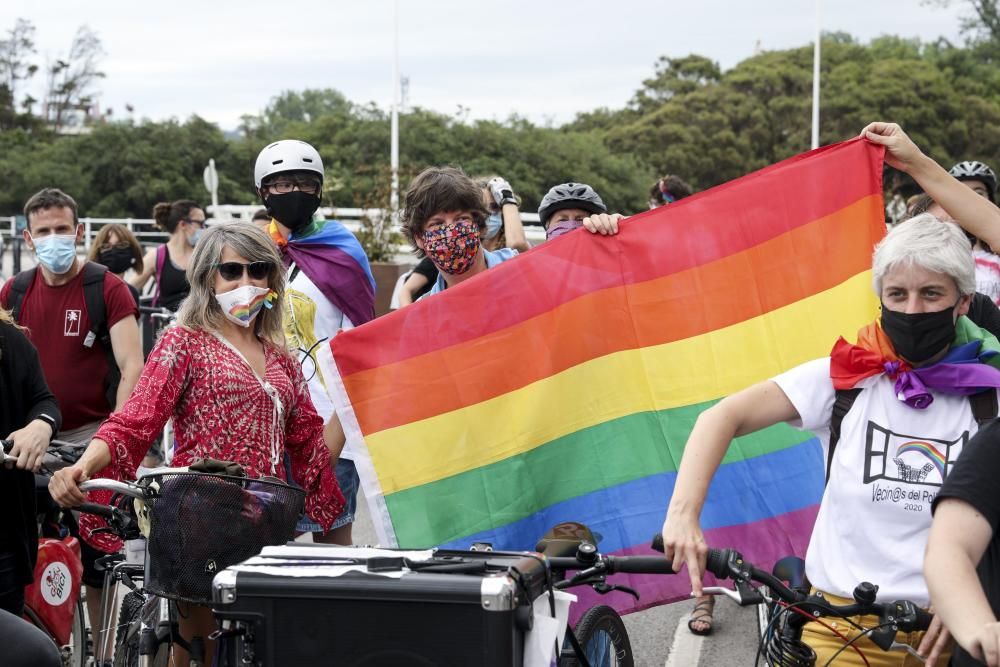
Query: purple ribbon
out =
(914, 387)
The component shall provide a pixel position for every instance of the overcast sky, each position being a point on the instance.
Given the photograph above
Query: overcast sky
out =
(543, 60)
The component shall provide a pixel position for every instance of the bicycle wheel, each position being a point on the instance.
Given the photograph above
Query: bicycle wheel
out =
(602, 636)
(75, 653)
(127, 631)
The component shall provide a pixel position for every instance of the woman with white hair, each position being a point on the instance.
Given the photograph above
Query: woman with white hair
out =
(913, 370)
(225, 377)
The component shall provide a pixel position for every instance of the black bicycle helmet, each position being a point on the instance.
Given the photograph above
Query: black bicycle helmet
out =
(569, 195)
(974, 170)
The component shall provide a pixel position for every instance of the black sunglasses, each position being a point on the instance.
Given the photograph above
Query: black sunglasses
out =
(234, 270)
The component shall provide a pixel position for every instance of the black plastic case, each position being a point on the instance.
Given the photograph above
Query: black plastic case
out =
(360, 619)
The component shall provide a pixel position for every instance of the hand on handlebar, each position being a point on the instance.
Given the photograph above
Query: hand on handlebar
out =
(30, 444)
(684, 544)
(65, 486)
(936, 640)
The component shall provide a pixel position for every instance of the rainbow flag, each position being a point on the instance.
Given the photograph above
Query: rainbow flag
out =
(562, 384)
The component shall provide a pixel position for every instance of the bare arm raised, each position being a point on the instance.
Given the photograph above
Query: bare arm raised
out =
(974, 213)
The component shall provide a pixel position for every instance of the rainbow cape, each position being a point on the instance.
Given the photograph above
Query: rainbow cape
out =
(333, 259)
(562, 384)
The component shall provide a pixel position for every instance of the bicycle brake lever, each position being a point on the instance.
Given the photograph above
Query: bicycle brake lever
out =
(719, 590)
(896, 646)
(744, 595)
(604, 588)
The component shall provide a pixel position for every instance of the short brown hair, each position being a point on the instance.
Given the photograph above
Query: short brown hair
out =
(125, 235)
(49, 198)
(438, 189)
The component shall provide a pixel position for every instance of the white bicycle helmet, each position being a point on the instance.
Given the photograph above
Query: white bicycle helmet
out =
(286, 155)
(974, 170)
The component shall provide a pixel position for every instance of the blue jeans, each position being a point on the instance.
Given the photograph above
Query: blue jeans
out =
(349, 482)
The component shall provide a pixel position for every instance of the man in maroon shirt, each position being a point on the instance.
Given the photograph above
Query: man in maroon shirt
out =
(54, 311)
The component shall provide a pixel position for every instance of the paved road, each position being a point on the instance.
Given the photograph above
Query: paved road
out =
(659, 636)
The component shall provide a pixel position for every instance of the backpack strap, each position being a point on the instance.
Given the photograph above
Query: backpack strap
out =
(161, 260)
(18, 289)
(97, 313)
(984, 406)
(93, 296)
(841, 406)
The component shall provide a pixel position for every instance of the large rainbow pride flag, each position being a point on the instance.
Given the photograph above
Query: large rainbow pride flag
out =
(562, 384)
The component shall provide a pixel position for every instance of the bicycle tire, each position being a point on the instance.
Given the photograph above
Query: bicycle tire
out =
(77, 657)
(602, 635)
(127, 631)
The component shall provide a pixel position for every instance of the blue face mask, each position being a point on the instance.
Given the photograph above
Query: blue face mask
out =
(56, 252)
(493, 225)
(193, 239)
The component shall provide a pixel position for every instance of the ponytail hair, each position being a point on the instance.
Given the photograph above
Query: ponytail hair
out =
(168, 215)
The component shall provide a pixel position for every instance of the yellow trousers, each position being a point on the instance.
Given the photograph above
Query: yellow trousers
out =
(826, 643)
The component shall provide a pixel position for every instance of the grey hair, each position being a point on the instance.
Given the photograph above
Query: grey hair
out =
(200, 310)
(929, 243)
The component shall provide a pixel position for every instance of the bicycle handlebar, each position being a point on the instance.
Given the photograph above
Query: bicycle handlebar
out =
(123, 488)
(898, 615)
(613, 564)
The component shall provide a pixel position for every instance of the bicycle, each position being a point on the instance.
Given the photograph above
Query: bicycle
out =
(179, 564)
(791, 606)
(52, 601)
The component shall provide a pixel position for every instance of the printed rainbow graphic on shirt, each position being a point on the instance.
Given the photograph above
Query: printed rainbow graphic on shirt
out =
(561, 385)
(924, 449)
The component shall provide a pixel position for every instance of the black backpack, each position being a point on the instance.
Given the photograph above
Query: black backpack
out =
(93, 296)
(984, 409)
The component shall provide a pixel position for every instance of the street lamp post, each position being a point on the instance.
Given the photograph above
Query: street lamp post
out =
(394, 128)
(815, 109)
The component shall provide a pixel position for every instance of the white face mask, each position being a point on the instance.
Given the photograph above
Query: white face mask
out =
(242, 304)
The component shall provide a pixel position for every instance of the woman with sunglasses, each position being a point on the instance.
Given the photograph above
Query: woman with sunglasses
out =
(184, 220)
(224, 375)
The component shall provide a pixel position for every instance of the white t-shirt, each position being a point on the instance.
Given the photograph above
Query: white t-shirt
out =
(888, 466)
(987, 274)
(327, 322)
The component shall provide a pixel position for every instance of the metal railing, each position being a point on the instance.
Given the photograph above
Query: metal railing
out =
(148, 234)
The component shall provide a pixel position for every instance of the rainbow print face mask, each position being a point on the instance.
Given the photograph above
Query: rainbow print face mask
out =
(242, 304)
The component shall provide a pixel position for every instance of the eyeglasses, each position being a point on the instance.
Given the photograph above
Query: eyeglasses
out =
(200, 223)
(286, 184)
(235, 270)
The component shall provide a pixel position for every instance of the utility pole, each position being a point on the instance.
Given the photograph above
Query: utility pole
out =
(815, 118)
(394, 128)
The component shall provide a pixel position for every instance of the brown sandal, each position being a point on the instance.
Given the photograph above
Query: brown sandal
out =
(702, 613)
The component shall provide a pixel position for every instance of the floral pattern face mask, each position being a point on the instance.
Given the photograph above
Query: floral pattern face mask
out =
(453, 246)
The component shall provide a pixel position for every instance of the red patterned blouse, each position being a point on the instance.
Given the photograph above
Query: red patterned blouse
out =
(221, 410)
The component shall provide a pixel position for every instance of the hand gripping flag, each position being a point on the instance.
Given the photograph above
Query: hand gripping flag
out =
(562, 384)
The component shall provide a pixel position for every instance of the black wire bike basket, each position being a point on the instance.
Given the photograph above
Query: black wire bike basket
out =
(200, 524)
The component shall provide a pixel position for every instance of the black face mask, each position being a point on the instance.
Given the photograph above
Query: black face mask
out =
(917, 337)
(118, 260)
(294, 209)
